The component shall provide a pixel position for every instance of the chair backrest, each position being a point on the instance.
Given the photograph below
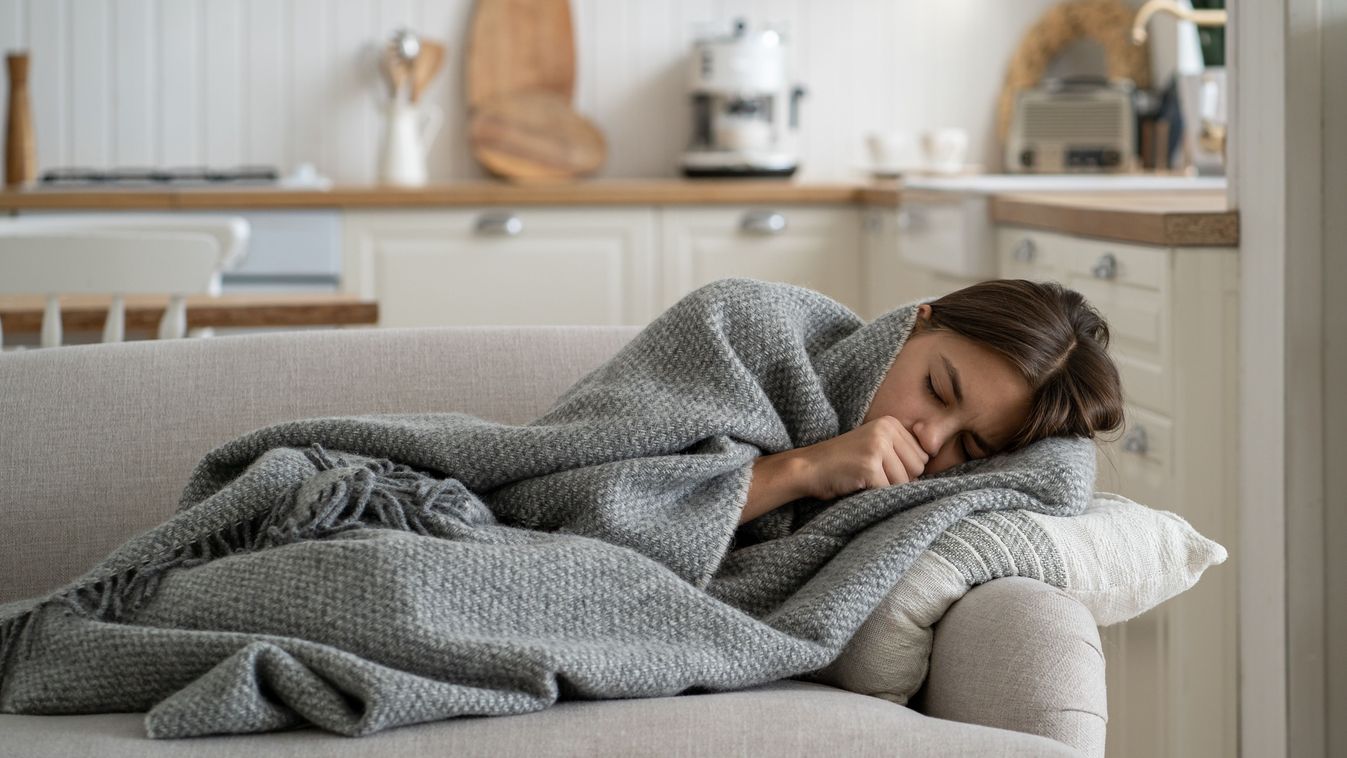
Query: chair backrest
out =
(121, 254)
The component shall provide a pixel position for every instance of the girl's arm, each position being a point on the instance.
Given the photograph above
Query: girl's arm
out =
(777, 479)
(878, 453)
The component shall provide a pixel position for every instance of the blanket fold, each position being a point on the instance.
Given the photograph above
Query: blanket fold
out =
(359, 573)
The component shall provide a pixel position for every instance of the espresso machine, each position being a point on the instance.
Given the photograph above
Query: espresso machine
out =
(745, 113)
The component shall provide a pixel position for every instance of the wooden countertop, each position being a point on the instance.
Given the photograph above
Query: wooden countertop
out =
(1192, 218)
(1156, 218)
(23, 313)
(596, 192)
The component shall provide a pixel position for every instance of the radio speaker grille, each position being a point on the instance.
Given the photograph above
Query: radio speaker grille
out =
(1076, 122)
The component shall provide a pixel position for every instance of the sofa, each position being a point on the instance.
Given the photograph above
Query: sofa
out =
(87, 431)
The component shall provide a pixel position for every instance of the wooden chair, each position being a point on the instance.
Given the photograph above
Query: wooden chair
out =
(121, 254)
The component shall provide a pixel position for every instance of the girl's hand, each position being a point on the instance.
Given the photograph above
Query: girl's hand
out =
(878, 453)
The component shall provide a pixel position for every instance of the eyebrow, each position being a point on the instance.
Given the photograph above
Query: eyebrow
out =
(958, 396)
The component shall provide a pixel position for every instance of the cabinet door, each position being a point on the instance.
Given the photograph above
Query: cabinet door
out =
(814, 247)
(890, 280)
(500, 266)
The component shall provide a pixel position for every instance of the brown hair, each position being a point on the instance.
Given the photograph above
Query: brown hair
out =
(1055, 339)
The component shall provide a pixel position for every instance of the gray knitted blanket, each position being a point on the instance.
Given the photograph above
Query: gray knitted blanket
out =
(359, 573)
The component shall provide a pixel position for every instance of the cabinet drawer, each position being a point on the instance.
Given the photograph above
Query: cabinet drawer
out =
(1140, 463)
(816, 247)
(501, 266)
(948, 233)
(1022, 254)
(1139, 335)
(1127, 265)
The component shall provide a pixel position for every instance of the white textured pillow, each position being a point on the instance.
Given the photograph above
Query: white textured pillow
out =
(1119, 558)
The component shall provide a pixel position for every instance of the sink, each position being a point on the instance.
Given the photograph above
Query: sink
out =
(996, 183)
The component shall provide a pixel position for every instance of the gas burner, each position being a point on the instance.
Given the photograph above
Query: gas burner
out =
(152, 176)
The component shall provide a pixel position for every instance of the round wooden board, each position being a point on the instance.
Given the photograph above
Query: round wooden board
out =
(519, 45)
(535, 136)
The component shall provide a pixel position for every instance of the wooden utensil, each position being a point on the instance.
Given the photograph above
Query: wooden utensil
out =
(20, 140)
(535, 137)
(518, 45)
(394, 70)
(426, 65)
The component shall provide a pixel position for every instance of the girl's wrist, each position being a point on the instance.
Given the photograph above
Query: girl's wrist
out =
(797, 467)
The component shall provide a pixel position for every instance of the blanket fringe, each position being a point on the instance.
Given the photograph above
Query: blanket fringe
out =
(372, 494)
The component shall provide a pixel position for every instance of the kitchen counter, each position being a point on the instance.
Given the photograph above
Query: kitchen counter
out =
(600, 192)
(1173, 219)
(1182, 218)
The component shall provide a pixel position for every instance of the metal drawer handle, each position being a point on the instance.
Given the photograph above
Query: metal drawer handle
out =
(500, 224)
(1024, 251)
(1136, 441)
(1106, 267)
(763, 222)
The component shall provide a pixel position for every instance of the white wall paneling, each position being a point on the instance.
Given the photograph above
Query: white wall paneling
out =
(90, 139)
(222, 72)
(135, 95)
(180, 36)
(267, 70)
(282, 82)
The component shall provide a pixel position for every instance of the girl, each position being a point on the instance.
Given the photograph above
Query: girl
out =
(987, 369)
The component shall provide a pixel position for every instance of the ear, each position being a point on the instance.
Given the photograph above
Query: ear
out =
(924, 314)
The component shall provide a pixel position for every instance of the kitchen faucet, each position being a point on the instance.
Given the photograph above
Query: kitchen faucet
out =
(1211, 17)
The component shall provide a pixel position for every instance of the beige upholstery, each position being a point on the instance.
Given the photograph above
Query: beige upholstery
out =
(96, 442)
(962, 686)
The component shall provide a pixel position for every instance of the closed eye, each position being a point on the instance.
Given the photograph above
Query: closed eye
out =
(930, 387)
(963, 441)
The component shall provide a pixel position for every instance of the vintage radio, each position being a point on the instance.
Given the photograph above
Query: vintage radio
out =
(1073, 125)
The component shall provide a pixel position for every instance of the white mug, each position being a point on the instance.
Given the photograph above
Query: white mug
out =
(946, 149)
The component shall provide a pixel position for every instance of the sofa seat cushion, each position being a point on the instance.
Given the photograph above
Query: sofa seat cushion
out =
(777, 719)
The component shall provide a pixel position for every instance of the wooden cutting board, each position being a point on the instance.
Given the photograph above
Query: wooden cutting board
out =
(518, 45)
(535, 137)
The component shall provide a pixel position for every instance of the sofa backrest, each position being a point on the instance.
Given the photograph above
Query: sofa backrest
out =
(97, 441)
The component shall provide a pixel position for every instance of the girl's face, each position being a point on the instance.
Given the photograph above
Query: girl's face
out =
(959, 399)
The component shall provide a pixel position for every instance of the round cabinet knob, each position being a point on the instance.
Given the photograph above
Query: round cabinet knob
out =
(500, 224)
(1024, 251)
(1136, 441)
(763, 222)
(1106, 267)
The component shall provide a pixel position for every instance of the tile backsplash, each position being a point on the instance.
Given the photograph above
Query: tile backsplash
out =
(284, 82)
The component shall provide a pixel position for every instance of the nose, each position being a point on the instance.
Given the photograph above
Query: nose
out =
(931, 435)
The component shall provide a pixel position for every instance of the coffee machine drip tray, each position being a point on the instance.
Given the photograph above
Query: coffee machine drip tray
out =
(738, 163)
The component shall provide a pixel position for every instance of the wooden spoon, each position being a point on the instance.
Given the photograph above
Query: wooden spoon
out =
(394, 70)
(535, 136)
(426, 65)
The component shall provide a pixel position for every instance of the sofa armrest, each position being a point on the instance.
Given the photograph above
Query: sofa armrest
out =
(1020, 654)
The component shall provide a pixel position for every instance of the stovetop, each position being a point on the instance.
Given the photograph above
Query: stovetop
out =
(88, 178)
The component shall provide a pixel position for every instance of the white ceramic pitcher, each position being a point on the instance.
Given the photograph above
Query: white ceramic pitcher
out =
(408, 131)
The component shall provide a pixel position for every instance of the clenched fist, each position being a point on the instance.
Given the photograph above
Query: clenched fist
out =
(878, 453)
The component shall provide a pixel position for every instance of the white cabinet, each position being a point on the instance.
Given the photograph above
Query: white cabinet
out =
(503, 266)
(587, 265)
(889, 277)
(1172, 315)
(815, 246)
